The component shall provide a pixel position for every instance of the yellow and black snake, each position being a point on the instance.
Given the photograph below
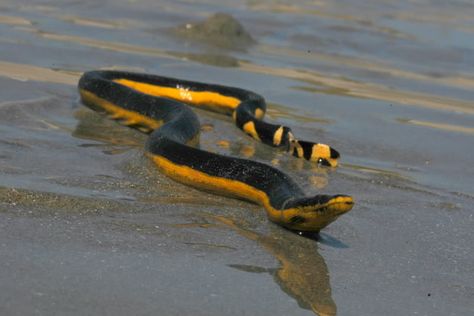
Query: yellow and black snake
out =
(155, 105)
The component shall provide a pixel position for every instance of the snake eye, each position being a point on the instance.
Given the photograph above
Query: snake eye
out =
(297, 220)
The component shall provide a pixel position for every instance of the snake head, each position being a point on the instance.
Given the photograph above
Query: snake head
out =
(314, 213)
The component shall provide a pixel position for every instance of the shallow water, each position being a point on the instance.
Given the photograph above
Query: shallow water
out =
(89, 226)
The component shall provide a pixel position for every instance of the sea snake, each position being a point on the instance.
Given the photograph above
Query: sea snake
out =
(157, 105)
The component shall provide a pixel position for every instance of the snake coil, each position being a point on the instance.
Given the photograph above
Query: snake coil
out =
(157, 105)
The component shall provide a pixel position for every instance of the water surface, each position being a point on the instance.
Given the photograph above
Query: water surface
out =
(88, 225)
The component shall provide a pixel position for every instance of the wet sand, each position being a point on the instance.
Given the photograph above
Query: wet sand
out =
(89, 226)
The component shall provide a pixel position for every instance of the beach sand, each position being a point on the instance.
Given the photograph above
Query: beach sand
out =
(89, 226)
